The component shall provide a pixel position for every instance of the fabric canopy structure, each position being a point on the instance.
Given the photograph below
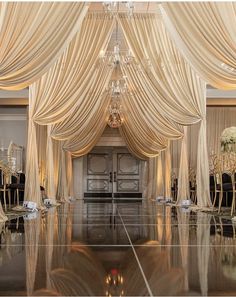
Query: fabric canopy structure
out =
(32, 36)
(62, 91)
(54, 48)
(205, 33)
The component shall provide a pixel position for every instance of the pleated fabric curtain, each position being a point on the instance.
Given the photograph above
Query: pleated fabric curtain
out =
(32, 36)
(183, 176)
(205, 32)
(179, 92)
(58, 93)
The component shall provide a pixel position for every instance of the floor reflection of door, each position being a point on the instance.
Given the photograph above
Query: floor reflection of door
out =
(112, 172)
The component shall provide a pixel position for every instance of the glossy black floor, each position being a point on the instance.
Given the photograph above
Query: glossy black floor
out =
(124, 249)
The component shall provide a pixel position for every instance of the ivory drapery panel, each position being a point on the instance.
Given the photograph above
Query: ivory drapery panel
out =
(176, 86)
(41, 137)
(205, 33)
(55, 95)
(3, 217)
(141, 140)
(85, 140)
(57, 92)
(50, 186)
(183, 176)
(146, 99)
(62, 187)
(179, 91)
(95, 100)
(32, 36)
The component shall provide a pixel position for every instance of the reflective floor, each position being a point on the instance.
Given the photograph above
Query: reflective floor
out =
(124, 249)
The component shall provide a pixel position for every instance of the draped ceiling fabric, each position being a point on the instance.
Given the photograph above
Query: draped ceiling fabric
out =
(205, 32)
(32, 36)
(61, 90)
(178, 92)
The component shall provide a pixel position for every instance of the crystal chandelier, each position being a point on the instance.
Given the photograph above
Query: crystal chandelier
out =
(112, 7)
(116, 57)
(115, 118)
(117, 87)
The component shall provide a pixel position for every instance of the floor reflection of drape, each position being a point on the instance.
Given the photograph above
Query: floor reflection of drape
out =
(32, 231)
(49, 243)
(203, 249)
(183, 227)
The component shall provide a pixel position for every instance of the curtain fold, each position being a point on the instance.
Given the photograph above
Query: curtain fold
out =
(32, 182)
(177, 88)
(3, 217)
(183, 176)
(63, 88)
(50, 186)
(202, 176)
(206, 35)
(62, 188)
(32, 36)
(167, 162)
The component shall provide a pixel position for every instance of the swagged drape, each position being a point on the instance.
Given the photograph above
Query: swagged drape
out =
(179, 92)
(32, 36)
(55, 96)
(205, 32)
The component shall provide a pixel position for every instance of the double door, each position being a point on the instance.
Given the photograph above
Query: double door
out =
(112, 173)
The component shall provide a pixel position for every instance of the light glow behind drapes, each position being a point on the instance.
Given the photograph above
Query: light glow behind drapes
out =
(32, 36)
(205, 32)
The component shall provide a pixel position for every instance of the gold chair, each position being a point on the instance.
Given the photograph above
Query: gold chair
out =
(5, 177)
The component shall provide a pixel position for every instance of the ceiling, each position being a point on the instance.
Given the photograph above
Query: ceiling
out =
(121, 6)
(117, 36)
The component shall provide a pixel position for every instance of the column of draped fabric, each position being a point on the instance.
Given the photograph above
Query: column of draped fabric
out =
(32, 36)
(62, 187)
(56, 95)
(183, 176)
(179, 92)
(205, 32)
(41, 138)
(50, 186)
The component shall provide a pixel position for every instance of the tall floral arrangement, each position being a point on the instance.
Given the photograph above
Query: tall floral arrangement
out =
(228, 140)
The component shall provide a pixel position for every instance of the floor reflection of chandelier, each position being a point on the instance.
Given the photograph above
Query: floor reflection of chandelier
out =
(115, 119)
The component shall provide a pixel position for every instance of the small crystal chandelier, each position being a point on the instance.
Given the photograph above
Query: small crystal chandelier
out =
(112, 7)
(115, 118)
(117, 87)
(116, 57)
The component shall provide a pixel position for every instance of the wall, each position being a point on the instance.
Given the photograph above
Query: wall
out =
(13, 126)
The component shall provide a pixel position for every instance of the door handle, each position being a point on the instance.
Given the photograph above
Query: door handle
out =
(114, 176)
(110, 177)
